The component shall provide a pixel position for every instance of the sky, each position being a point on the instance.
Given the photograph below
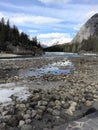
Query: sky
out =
(52, 21)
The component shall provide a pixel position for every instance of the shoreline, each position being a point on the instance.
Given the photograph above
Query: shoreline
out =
(52, 107)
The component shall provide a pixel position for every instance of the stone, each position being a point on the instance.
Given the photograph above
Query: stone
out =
(56, 112)
(27, 116)
(66, 105)
(44, 103)
(57, 103)
(22, 105)
(28, 121)
(71, 108)
(49, 110)
(7, 117)
(4, 113)
(88, 103)
(26, 127)
(34, 112)
(42, 108)
(21, 122)
(95, 105)
(29, 112)
(38, 117)
(13, 122)
(36, 98)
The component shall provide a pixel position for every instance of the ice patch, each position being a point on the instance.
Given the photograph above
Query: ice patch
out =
(62, 63)
(89, 54)
(5, 92)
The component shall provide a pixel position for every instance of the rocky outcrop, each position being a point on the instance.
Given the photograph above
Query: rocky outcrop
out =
(90, 28)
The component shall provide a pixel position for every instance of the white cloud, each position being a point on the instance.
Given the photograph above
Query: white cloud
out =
(54, 1)
(32, 31)
(28, 20)
(50, 35)
(51, 39)
(22, 18)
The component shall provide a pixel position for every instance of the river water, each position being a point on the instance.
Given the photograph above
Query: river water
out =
(58, 67)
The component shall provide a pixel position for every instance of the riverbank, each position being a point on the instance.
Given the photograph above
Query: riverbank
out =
(52, 100)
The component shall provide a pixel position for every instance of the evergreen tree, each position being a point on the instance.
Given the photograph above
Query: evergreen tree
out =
(10, 36)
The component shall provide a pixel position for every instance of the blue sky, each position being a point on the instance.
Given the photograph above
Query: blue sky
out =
(52, 21)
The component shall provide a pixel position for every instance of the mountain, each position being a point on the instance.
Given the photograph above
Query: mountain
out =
(85, 40)
(55, 48)
(89, 29)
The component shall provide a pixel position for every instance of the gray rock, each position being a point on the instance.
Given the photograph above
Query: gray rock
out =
(26, 116)
(42, 108)
(21, 122)
(4, 113)
(29, 112)
(33, 113)
(57, 103)
(66, 105)
(44, 103)
(49, 110)
(26, 127)
(28, 121)
(56, 112)
(38, 117)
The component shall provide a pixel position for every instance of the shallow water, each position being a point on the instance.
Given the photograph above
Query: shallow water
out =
(54, 68)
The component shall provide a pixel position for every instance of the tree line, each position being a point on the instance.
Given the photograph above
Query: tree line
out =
(10, 36)
(89, 45)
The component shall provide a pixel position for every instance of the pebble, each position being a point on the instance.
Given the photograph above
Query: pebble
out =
(88, 103)
(21, 122)
(56, 112)
(26, 116)
(26, 127)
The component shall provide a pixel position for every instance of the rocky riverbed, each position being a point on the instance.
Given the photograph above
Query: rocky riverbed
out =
(51, 100)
